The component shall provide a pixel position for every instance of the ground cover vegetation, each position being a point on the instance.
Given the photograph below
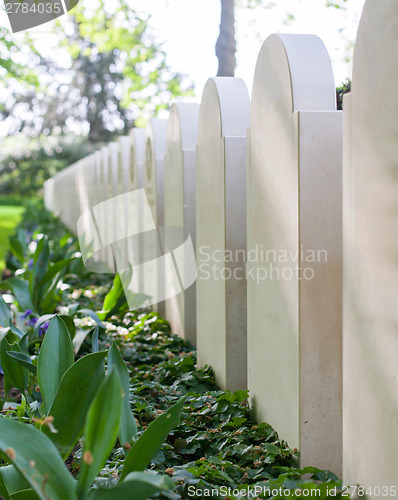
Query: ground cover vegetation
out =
(99, 402)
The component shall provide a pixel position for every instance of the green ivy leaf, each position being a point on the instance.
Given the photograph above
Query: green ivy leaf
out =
(143, 484)
(150, 441)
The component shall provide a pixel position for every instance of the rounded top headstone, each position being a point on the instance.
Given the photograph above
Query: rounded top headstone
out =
(293, 72)
(182, 127)
(156, 137)
(374, 100)
(224, 109)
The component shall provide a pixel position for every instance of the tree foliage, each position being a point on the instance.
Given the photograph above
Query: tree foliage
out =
(24, 170)
(117, 75)
(9, 67)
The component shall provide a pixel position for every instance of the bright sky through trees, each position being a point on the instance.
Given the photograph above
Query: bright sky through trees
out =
(189, 29)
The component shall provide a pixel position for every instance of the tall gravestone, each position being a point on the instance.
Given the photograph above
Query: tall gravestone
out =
(97, 178)
(370, 255)
(124, 212)
(153, 183)
(102, 214)
(221, 230)
(128, 208)
(294, 252)
(99, 198)
(91, 179)
(113, 206)
(49, 186)
(84, 189)
(136, 174)
(137, 156)
(179, 184)
(63, 190)
(72, 196)
(98, 250)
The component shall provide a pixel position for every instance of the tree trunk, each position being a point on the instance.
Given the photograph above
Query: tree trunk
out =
(226, 45)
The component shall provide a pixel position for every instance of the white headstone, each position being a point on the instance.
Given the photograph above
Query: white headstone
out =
(105, 226)
(112, 206)
(221, 230)
(294, 248)
(135, 211)
(137, 156)
(48, 193)
(74, 194)
(370, 372)
(128, 207)
(97, 178)
(182, 134)
(153, 184)
(85, 191)
(97, 198)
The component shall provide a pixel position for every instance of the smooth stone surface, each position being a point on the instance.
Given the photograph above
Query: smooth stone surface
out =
(135, 211)
(49, 186)
(180, 161)
(153, 183)
(220, 226)
(294, 217)
(101, 213)
(370, 254)
(85, 191)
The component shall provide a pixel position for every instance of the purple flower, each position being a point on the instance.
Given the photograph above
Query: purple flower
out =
(43, 328)
(32, 321)
(27, 313)
(30, 264)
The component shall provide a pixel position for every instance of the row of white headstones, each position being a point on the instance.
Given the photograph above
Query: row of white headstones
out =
(262, 191)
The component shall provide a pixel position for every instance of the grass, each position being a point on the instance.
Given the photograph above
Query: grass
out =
(10, 216)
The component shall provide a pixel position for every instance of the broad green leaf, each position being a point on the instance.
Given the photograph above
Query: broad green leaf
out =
(5, 313)
(24, 360)
(115, 300)
(53, 270)
(24, 343)
(68, 320)
(16, 248)
(56, 356)
(70, 325)
(143, 484)
(100, 433)
(94, 339)
(19, 333)
(15, 374)
(24, 495)
(41, 260)
(150, 441)
(79, 338)
(37, 459)
(128, 428)
(20, 290)
(11, 481)
(72, 401)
